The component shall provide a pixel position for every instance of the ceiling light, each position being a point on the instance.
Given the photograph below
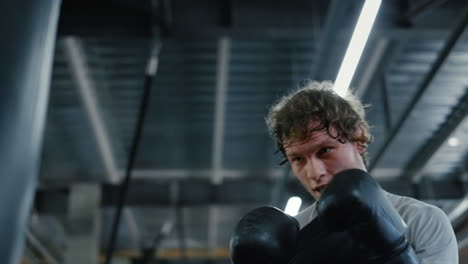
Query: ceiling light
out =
(453, 142)
(356, 46)
(293, 206)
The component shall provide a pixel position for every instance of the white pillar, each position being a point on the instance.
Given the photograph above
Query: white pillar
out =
(83, 225)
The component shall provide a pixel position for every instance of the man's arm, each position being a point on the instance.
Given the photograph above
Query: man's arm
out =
(431, 235)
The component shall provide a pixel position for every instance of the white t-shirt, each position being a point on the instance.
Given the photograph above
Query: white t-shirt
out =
(429, 230)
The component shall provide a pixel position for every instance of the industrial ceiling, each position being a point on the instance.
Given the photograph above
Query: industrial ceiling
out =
(204, 157)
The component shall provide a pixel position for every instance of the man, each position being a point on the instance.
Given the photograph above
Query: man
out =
(322, 134)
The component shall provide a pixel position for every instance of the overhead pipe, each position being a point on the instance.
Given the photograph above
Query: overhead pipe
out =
(422, 156)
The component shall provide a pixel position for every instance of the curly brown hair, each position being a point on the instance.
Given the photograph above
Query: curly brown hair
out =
(289, 118)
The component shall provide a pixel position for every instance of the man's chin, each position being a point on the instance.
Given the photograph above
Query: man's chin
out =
(316, 195)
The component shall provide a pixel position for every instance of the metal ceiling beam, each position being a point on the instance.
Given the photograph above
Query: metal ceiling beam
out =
(386, 102)
(222, 82)
(83, 224)
(232, 192)
(132, 225)
(334, 22)
(382, 54)
(296, 32)
(250, 191)
(305, 33)
(422, 8)
(164, 175)
(178, 216)
(177, 174)
(449, 45)
(39, 246)
(87, 91)
(414, 169)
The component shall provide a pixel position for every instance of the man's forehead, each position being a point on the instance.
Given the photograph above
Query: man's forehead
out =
(315, 127)
(315, 137)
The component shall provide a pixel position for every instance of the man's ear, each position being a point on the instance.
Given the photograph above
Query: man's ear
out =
(360, 142)
(361, 146)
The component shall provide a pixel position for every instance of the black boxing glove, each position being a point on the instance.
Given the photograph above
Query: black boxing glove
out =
(354, 202)
(317, 245)
(264, 235)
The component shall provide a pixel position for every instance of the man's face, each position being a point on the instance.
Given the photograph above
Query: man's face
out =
(316, 160)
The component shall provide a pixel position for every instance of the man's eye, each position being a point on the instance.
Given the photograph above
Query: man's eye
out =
(296, 159)
(325, 150)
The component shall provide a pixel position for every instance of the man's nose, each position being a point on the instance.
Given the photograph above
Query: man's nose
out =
(315, 169)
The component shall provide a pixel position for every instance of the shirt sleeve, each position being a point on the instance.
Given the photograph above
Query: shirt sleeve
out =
(306, 216)
(432, 237)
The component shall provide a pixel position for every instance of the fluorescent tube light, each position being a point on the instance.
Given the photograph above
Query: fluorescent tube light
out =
(356, 46)
(293, 206)
(453, 142)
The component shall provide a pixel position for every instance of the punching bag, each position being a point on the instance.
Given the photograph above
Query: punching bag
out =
(28, 29)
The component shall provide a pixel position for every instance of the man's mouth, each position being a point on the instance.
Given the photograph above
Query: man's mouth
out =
(320, 189)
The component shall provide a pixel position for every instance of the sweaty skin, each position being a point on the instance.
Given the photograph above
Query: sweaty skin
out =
(316, 160)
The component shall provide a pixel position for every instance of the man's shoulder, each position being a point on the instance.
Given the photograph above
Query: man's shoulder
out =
(306, 216)
(409, 207)
(429, 229)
